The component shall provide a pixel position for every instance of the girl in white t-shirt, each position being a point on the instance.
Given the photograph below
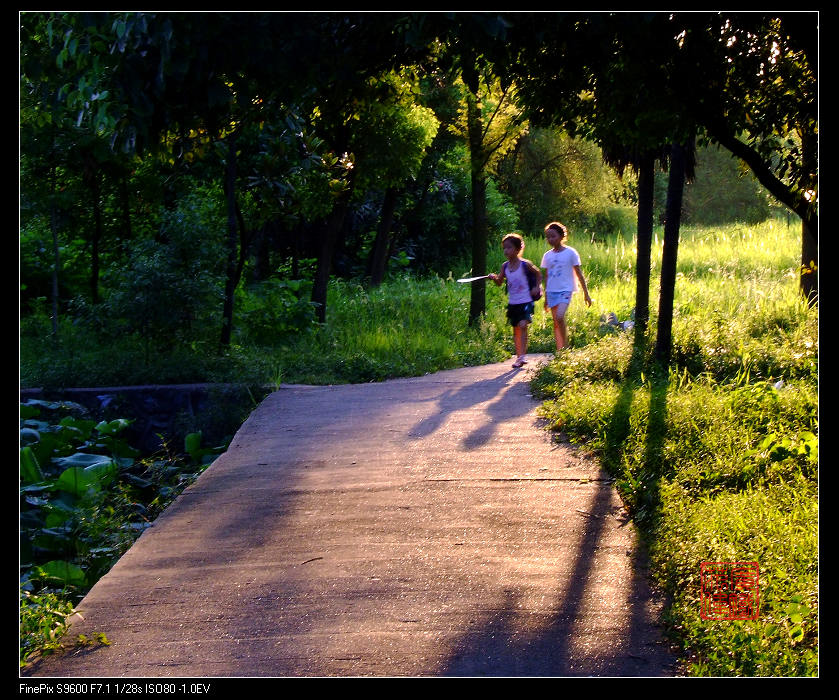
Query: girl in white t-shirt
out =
(562, 271)
(524, 286)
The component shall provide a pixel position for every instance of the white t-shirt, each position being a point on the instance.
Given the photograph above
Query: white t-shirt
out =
(560, 266)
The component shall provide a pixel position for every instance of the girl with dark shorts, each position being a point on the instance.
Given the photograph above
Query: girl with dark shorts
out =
(524, 282)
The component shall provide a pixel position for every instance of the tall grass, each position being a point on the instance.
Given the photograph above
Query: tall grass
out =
(718, 458)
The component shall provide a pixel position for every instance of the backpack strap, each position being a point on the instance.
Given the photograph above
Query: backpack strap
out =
(529, 271)
(532, 274)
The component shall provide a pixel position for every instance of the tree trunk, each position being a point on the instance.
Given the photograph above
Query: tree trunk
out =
(809, 280)
(480, 233)
(125, 203)
(379, 254)
(55, 252)
(97, 237)
(646, 196)
(232, 241)
(675, 191)
(329, 242)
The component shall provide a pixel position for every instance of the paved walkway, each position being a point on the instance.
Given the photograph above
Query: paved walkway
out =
(416, 527)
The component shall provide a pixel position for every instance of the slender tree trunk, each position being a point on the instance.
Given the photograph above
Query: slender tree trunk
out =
(55, 252)
(232, 241)
(381, 246)
(675, 191)
(480, 236)
(297, 244)
(810, 262)
(245, 245)
(262, 252)
(125, 203)
(329, 243)
(809, 280)
(646, 196)
(97, 237)
(480, 233)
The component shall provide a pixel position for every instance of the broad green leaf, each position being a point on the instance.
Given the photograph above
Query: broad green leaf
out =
(28, 436)
(113, 427)
(80, 424)
(30, 470)
(78, 480)
(80, 459)
(75, 481)
(29, 411)
(69, 574)
(192, 443)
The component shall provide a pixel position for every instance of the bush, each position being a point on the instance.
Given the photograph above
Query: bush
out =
(269, 311)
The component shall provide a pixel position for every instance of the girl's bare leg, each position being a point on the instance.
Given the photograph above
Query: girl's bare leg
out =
(560, 328)
(521, 339)
(517, 338)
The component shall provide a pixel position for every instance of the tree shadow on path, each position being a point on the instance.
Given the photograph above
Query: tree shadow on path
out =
(563, 645)
(511, 400)
(569, 639)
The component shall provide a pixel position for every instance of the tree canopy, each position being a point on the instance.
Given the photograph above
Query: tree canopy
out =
(332, 138)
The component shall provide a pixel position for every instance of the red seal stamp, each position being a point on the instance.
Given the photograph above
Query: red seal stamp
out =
(730, 590)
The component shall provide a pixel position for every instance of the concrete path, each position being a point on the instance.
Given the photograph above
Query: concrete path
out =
(416, 527)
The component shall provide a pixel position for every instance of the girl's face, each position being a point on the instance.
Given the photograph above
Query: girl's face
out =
(510, 251)
(553, 237)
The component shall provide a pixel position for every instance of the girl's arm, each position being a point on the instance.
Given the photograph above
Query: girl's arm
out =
(582, 279)
(499, 278)
(538, 285)
(546, 287)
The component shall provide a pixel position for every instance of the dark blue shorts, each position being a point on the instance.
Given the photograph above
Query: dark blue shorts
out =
(516, 313)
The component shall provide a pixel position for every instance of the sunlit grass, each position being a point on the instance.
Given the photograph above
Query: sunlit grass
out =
(717, 460)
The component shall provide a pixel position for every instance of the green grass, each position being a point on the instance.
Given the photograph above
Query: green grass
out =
(717, 459)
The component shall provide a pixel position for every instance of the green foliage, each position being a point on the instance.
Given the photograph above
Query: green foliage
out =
(722, 192)
(85, 496)
(406, 327)
(184, 263)
(393, 132)
(270, 311)
(551, 176)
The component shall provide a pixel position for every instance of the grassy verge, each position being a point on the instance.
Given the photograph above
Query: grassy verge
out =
(718, 458)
